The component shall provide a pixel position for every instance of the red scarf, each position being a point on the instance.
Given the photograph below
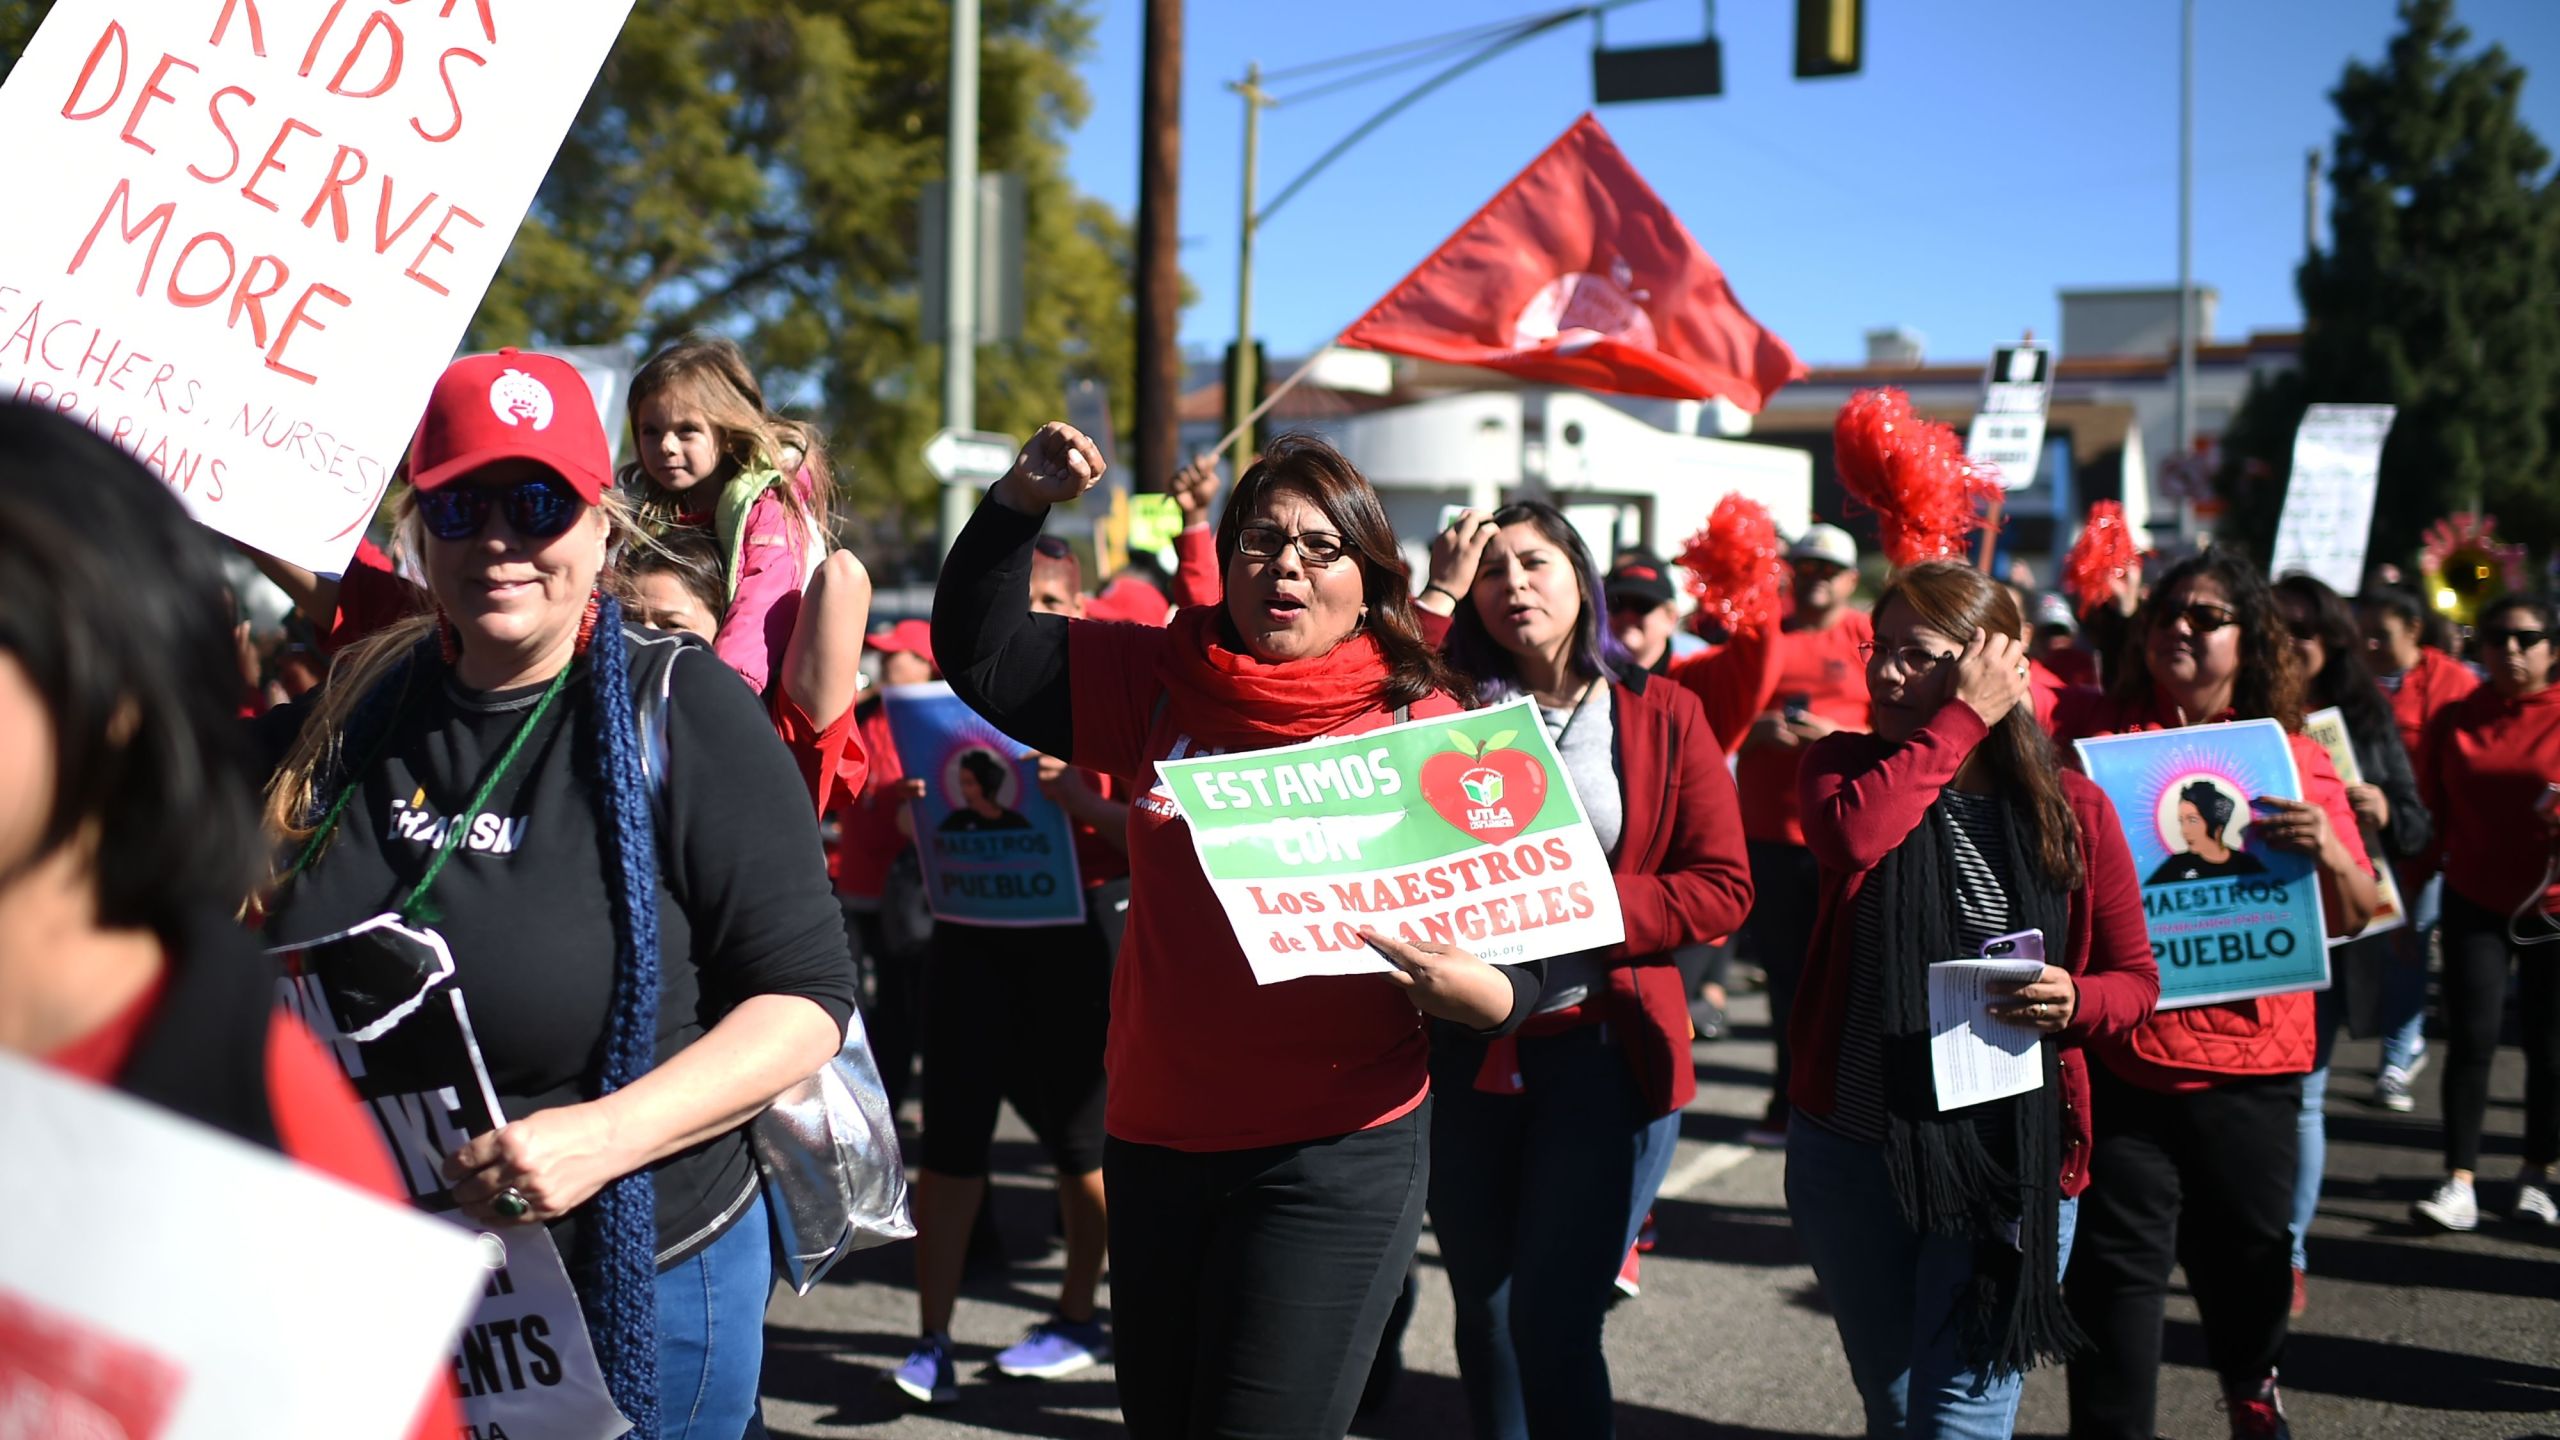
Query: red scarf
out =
(1213, 688)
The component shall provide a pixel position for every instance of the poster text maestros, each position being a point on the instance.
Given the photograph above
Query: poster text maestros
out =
(247, 234)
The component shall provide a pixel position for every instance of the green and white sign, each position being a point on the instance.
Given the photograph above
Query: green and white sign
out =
(1464, 830)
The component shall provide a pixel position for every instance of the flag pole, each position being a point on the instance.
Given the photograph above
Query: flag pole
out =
(1991, 529)
(1284, 387)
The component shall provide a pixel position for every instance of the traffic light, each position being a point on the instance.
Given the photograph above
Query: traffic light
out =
(1831, 37)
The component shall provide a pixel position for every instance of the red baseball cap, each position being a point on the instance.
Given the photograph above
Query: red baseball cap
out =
(514, 405)
(1130, 599)
(909, 637)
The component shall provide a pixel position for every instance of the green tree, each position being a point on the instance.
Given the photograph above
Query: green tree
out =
(754, 167)
(2439, 292)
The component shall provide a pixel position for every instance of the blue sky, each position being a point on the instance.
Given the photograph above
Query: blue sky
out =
(1991, 152)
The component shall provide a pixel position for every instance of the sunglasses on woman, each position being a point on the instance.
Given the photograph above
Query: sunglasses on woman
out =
(538, 509)
(2493, 641)
(2201, 618)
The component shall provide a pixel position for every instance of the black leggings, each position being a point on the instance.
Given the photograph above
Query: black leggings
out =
(2477, 954)
(1249, 1287)
(1019, 1015)
(1785, 880)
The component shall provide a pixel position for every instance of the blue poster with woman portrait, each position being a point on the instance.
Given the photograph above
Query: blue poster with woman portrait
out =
(2229, 918)
(994, 849)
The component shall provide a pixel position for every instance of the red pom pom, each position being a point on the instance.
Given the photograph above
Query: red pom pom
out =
(2104, 554)
(1737, 566)
(1913, 473)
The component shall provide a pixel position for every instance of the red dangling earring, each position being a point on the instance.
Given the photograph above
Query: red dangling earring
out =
(448, 643)
(587, 622)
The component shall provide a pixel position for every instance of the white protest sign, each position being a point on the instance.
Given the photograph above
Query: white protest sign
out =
(246, 235)
(159, 1278)
(2328, 504)
(2008, 431)
(384, 997)
(1463, 830)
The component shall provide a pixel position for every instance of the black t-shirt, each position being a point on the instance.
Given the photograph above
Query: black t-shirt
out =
(2186, 865)
(744, 905)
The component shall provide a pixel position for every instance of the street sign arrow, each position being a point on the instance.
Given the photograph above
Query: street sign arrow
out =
(970, 457)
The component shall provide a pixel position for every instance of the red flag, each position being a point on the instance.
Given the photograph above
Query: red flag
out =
(1578, 274)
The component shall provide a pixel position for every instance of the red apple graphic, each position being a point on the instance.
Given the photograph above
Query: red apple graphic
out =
(1489, 791)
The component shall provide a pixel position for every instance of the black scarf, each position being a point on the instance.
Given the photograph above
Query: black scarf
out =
(1946, 1179)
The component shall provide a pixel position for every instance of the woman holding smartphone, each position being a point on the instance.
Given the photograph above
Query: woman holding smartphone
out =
(1939, 1236)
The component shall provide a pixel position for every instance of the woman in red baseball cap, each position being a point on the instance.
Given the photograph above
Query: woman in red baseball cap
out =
(647, 959)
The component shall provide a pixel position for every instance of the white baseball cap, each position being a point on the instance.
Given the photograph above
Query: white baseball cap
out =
(1828, 544)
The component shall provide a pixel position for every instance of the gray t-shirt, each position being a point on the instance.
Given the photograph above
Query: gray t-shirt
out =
(1587, 742)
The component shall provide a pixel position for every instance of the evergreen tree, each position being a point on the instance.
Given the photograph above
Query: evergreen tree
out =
(2437, 293)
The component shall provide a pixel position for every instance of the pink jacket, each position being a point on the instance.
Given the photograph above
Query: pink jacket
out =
(772, 561)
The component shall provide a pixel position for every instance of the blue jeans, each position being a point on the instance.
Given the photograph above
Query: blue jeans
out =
(2403, 1015)
(1535, 1198)
(711, 1333)
(1892, 1294)
(2313, 1127)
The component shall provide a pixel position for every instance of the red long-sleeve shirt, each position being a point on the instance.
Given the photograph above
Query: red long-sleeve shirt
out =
(1860, 798)
(2436, 681)
(1751, 677)
(2482, 768)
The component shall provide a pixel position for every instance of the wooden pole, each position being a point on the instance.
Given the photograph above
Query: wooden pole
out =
(1159, 278)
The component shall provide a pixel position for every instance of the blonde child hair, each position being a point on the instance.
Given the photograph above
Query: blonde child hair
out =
(712, 372)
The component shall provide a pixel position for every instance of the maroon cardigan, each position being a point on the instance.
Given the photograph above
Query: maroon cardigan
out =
(1861, 796)
(1682, 874)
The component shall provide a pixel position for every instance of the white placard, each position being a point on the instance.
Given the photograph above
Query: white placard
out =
(246, 235)
(2328, 504)
(1975, 1056)
(169, 1280)
(2008, 431)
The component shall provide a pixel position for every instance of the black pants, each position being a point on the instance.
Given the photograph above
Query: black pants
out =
(1015, 1015)
(1784, 881)
(2205, 1180)
(2477, 954)
(893, 1008)
(1249, 1287)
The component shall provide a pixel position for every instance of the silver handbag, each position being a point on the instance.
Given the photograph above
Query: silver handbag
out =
(834, 1180)
(827, 1148)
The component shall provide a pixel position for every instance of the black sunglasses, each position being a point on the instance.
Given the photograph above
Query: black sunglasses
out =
(2202, 619)
(2494, 640)
(539, 509)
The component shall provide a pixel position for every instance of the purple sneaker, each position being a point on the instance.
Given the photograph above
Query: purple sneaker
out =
(1054, 1347)
(927, 1376)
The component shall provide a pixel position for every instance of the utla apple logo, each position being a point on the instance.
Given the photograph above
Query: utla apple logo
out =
(1488, 790)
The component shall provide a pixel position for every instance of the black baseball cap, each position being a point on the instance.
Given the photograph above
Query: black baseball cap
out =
(1640, 575)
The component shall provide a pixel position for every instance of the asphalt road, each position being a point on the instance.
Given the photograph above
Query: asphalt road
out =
(2408, 1334)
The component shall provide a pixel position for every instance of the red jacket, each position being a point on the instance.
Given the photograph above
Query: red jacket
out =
(2437, 680)
(2203, 1045)
(2481, 771)
(1753, 676)
(1860, 798)
(1682, 877)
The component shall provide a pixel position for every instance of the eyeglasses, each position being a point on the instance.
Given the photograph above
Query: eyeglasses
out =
(539, 509)
(1265, 542)
(1051, 547)
(1914, 661)
(2201, 618)
(2521, 639)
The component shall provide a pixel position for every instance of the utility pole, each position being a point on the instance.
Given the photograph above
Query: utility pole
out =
(1159, 289)
(960, 257)
(1247, 385)
(2186, 244)
(2311, 204)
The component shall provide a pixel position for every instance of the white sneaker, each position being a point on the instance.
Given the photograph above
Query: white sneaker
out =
(2533, 1202)
(2452, 1207)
